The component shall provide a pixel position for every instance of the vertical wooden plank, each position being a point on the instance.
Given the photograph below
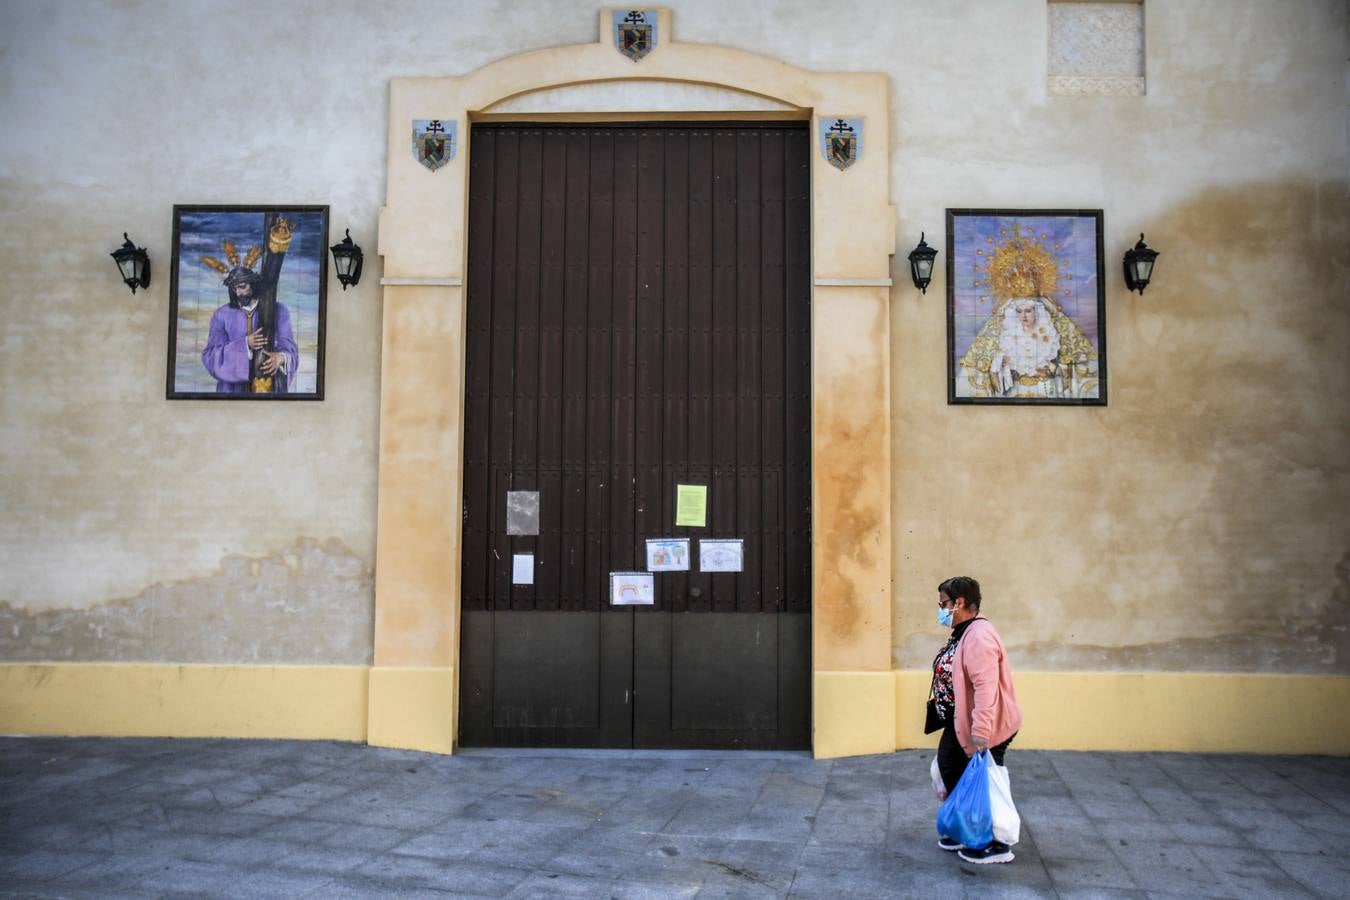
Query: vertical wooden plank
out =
(773, 377)
(477, 365)
(674, 446)
(700, 448)
(624, 361)
(599, 387)
(525, 442)
(722, 487)
(552, 299)
(749, 460)
(797, 259)
(572, 502)
(504, 278)
(649, 334)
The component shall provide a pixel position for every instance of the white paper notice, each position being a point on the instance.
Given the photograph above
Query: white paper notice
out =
(522, 568)
(632, 588)
(721, 556)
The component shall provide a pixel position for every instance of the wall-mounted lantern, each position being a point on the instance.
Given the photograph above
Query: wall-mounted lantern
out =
(1139, 261)
(921, 264)
(347, 260)
(134, 264)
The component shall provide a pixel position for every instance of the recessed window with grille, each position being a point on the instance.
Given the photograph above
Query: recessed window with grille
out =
(1096, 49)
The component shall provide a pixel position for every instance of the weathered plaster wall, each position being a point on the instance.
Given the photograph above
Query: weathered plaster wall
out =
(1201, 520)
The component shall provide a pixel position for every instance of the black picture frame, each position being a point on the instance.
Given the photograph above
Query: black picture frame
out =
(215, 249)
(1041, 269)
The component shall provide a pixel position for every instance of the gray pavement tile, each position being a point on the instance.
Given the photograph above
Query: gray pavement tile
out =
(770, 823)
(276, 806)
(320, 859)
(545, 885)
(628, 889)
(519, 844)
(1167, 867)
(298, 831)
(460, 876)
(592, 861)
(1119, 830)
(996, 890)
(1088, 873)
(374, 813)
(687, 859)
(315, 790)
(1049, 809)
(1100, 894)
(361, 837)
(215, 822)
(1068, 842)
(1206, 835)
(1322, 875)
(46, 864)
(1325, 825)
(645, 811)
(704, 816)
(241, 852)
(730, 887)
(849, 834)
(166, 844)
(876, 876)
(1248, 873)
(356, 887)
(1107, 811)
(279, 883)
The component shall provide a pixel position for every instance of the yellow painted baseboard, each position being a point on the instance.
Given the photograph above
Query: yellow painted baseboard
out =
(854, 713)
(165, 700)
(1208, 712)
(412, 708)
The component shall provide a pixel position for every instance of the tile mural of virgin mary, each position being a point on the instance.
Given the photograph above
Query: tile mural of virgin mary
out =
(1025, 307)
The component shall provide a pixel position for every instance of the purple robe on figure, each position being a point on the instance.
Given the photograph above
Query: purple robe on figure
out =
(227, 355)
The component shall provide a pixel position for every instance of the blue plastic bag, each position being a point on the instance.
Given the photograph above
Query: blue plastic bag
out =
(965, 815)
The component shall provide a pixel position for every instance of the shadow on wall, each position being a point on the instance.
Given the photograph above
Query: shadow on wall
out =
(310, 603)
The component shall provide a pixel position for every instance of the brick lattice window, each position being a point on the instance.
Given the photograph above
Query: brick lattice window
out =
(1096, 49)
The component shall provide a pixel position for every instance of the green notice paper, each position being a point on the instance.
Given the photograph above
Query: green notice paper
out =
(691, 505)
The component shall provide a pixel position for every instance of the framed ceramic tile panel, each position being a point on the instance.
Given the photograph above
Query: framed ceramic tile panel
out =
(1026, 307)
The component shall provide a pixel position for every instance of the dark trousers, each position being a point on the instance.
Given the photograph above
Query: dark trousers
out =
(952, 759)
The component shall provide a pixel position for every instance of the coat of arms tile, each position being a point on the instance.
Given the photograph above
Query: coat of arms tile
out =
(841, 141)
(434, 142)
(635, 32)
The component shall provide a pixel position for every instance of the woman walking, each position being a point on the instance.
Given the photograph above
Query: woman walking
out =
(973, 695)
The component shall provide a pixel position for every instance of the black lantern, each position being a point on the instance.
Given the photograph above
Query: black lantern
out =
(1139, 266)
(134, 264)
(921, 264)
(347, 259)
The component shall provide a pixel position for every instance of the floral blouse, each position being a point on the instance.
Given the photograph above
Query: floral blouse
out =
(942, 691)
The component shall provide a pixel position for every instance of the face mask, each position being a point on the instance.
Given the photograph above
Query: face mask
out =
(944, 617)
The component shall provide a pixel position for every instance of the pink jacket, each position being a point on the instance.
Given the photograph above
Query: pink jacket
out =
(986, 703)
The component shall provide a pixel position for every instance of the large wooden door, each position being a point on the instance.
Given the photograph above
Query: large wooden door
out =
(638, 318)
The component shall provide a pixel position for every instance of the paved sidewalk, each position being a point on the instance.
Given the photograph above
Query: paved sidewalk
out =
(153, 818)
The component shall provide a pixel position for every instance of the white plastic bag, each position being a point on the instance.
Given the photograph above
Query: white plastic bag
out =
(1007, 823)
(939, 788)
